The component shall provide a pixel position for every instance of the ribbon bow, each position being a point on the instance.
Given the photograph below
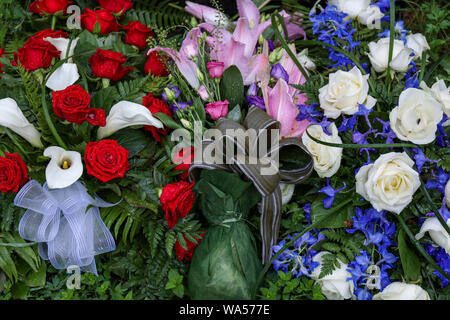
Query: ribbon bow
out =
(66, 223)
(253, 167)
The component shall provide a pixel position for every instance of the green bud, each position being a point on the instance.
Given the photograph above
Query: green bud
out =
(186, 124)
(276, 55)
(194, 22)
(169, 94)
(261, 40)
(200, 76)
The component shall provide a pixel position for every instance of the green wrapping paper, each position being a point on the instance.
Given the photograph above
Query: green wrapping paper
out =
(225, 264)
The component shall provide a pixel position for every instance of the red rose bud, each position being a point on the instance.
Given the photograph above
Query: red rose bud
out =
(156, 105)
(13, 173)
(2, 52)
(156, 65)
(72, 104)
(177, 200)
(37, 53)
(106, 160)
(44, 7)
(137, 34)
(215, 69)
(104, 20)
(218, 109)
(116, 6)
(108, 64)
(184, 157)
(187, 254)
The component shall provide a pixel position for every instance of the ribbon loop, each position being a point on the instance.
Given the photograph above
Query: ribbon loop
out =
(67, 231)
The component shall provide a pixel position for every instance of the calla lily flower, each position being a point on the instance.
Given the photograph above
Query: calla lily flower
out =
(206, 13)
(186, 66)
(125, 114)
(280, 106)
(67, 74)
(64, 168)
(13, 118)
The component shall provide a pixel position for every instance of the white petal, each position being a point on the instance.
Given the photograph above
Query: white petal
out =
(66, 75)
(13, 118)
(125, 114)
(56, 176)
(61, 44)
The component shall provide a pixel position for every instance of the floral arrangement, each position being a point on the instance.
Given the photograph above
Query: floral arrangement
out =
(127, 155)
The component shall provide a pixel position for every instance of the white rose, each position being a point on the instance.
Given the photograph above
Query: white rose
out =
(437, 233)
(379, 55)
(402, 291)
(447, 194)
(344, 91)
(441, 93)
(389, 183)
(351, 7)
(334, 286)
(371, 16)
(327, 160)
(418, 43)
(416, 117)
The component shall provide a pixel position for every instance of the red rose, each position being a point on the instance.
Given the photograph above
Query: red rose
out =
(13, 173)
(36, 52)
(2, 52)
(72, 104)
(184, 157)
(116, 6)
(105, 20)
(106, 160)
(156, 105)
(187, 254)
(137, 34)
(43, 7)
(177, 200)
(108, 64)
(156, 65)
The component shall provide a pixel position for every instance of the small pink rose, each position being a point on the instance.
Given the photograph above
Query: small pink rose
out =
(203, 93)
(218, 109)
(215, 69)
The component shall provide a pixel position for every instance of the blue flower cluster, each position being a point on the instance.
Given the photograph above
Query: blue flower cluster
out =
(331, 28)
(442, 259)
(299, 259)
(379, 232)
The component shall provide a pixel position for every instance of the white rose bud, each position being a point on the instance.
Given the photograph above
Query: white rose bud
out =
(351, 7)
(402, 291)
(344, 91)
(416, 117)
(441, 93)
(418, 43)
(437, 232)
(371, 17)
(379, 55)
(389, 183)
(334, 286)
(327, 160)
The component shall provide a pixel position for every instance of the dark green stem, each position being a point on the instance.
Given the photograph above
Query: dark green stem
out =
(48, 119)
(14, 140)
(391, 38)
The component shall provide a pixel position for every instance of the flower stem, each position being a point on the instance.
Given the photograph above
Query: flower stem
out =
(49, 121)
(391, 38)
(14, 140)
(53, 22)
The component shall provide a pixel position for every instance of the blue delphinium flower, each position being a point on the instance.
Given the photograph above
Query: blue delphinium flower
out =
(384, 5)
(331, 193)
(174, 89)
(411, 77)
(348, 124)
(441, 138)
(308, 112)
(180, 106)
(420, 159)
(307, 210)
(442, 259)
(331, 27)
(386, 132)
(441, 179)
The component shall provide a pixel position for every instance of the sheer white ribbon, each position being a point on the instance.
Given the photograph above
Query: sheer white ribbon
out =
(66, 223)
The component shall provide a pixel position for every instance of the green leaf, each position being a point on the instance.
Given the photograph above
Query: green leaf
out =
(37, 279)
(104, 98)
(410, 261)
(19, 290)
(133, 140)
(336, 220)
(235, 114)
(232, 86)
(167, 121)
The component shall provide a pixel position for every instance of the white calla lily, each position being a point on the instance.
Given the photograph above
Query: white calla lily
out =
(437, 233)
(13, 118)
(125, 114)
(63, 77)
(67, 74)
(64, 168)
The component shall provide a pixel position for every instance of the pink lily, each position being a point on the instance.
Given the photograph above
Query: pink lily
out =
(280, 106)
(294, 30)
(206, 13)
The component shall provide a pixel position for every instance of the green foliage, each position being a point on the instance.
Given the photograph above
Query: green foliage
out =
(232, 87)
(311, 87)
(410, 261)
(175, 283)
(285, 287)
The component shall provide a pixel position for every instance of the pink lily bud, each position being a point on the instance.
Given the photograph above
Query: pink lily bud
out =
(203, 93)
(215, 69)
(218, 109)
